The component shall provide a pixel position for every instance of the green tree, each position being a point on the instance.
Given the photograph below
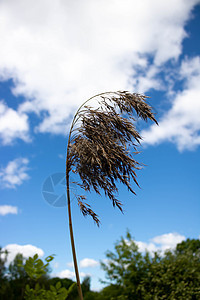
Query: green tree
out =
(112, 292)
(16, 268)
(4, 285)
(190, 245)
(3, 259)
(174, 275)
(99, 150)
(125, 267)
(17, 277)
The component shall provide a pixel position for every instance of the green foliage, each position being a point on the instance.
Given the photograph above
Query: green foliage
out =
(13, 282)
(188, 245)
(86, 284)
(3, 280)
(174, 275)
(112, 292)
(35, 267)
(66, 282)
(16, 269)
(28, 279)
(55, 293)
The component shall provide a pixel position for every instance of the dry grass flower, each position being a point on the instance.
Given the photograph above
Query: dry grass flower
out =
(100, 144)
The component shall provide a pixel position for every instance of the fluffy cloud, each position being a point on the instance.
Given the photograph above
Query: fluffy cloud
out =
(65, 274)
(60, 54)
(150, 247)
(14, 173)
(69, 274)
(88, 262)
(8, 209)
(161, 242)
(181, 124)
(168, 240)
(13, 124)
(25, 250)
(85, 263)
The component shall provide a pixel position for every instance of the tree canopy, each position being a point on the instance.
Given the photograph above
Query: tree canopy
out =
(172, 275)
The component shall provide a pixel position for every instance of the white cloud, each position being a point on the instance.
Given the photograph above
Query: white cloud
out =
(69, 274)
(60, 54)
(161, 243)
(181, 124)
(85, 263)
(168, 240)
(14, 173)
(65, 274)
(13, 124)
(150, 247)
(25, 250)
(88, 262)
(8, 209)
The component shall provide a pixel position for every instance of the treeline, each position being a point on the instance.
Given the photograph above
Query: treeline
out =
(173, 275)
(131, 275)
(29, 279)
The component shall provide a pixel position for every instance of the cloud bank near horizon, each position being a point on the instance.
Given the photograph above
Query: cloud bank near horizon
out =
(159, 243)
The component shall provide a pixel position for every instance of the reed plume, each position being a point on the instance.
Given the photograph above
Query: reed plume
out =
(101, 149)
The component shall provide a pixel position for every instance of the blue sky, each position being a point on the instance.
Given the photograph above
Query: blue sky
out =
(55, 56)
